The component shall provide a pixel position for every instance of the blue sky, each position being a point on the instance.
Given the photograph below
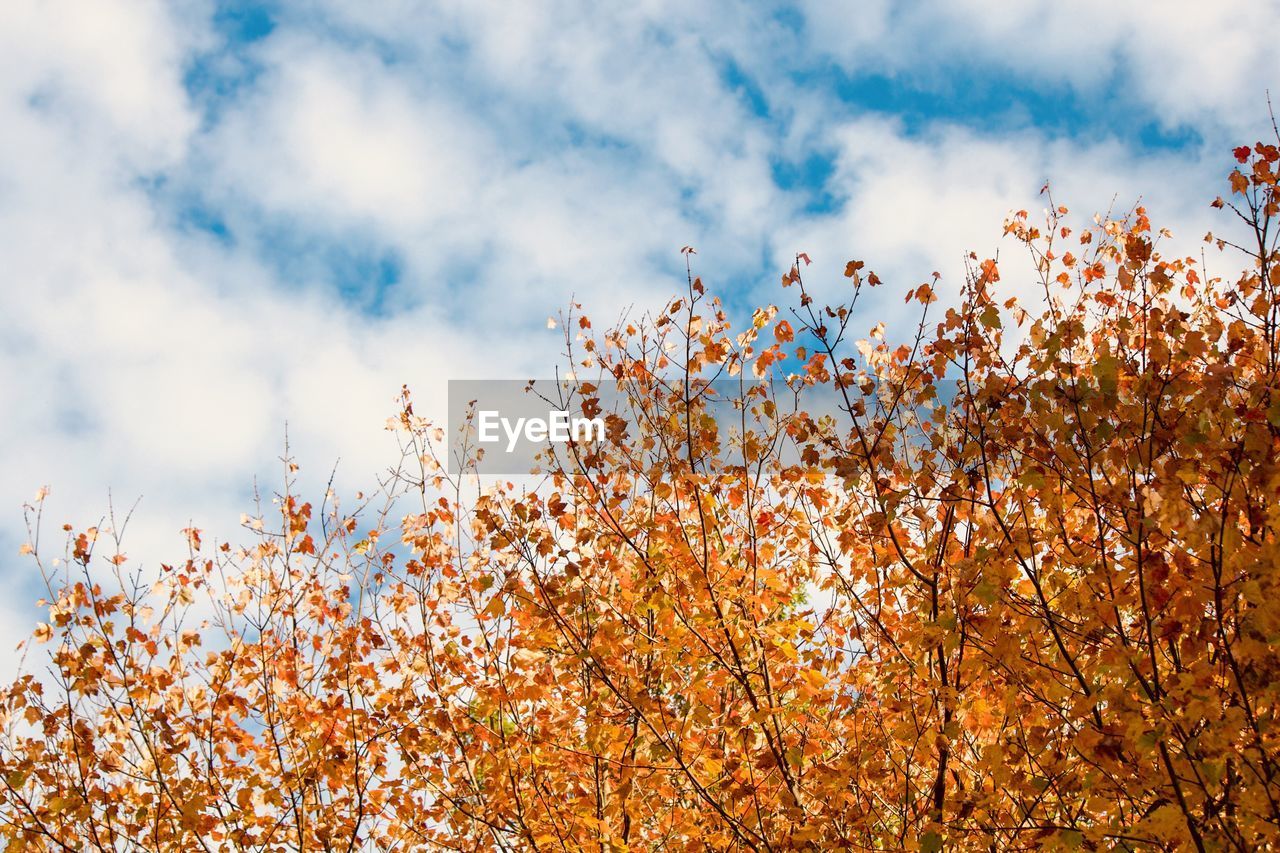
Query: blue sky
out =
(219, 217)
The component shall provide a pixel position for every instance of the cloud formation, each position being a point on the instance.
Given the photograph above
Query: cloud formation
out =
(216, 218)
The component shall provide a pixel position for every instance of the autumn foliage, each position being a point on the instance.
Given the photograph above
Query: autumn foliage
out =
(1021, 592)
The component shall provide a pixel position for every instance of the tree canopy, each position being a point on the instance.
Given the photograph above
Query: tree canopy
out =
(1017, 590)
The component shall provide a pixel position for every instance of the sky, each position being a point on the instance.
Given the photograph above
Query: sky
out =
(219, 218)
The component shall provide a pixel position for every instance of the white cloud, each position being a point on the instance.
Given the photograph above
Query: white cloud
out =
(1185, 61)
(507, 159)
(919, 205)
(109, 70)
(333, 135)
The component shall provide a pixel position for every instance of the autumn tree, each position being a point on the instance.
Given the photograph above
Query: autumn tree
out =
(1015, 588)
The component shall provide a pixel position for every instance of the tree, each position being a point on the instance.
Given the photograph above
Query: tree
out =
(1017, 590)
